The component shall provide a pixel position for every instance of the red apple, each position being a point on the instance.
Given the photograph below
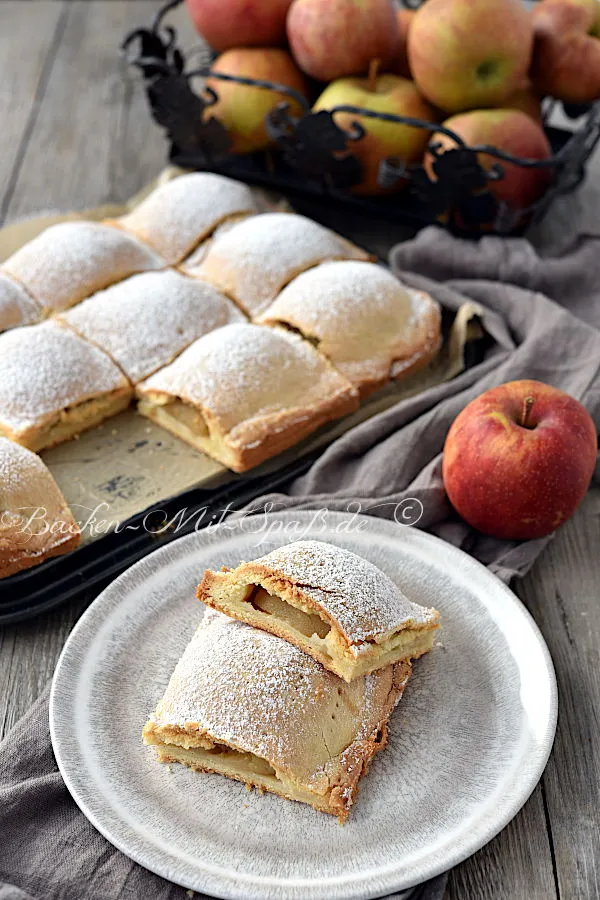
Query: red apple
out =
(566, 57)
(519, 459)
(332, 38)
(509, 130)
(399, 64)
(379, 93)
(241, 108)
(240, 23)
(466, 54)
(526, 100)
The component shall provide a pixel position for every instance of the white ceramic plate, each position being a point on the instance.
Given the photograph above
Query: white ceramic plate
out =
(468, 742)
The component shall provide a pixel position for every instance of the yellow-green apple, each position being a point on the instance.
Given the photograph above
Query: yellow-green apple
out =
(240, 23)
(519, 459)
(466, 54)
(527, 101)
(566, 55)
(507, 129)
(333, 38)
(241, 108)
(399, 64)
(386, 94)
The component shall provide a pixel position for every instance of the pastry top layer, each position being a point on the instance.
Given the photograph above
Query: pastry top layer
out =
(177, 215)
(26, 486)
(245, 372)
(46, 368)
(363, 318)
(145, 321)
(70, 261)
(16, 306)
(253, 260)
(258, 693)
(352, 594)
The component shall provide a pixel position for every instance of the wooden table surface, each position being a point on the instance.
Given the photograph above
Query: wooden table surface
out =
(75, 133)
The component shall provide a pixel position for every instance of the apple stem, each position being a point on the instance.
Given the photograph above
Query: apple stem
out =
(527, 404)
(374, 66)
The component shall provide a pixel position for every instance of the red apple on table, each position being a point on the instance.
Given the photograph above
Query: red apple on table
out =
(566, 56)
(242, 108)
(333, 38)
(519, 459)
(240, 23)
(379, 93)
(466, 54)
(509, 130)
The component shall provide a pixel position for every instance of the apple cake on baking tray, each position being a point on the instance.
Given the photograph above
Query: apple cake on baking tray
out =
(235, 328)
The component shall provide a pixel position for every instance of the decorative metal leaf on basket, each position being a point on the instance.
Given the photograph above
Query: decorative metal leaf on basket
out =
(312, 148)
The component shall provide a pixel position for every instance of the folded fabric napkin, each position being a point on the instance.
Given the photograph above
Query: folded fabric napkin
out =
(542, 316)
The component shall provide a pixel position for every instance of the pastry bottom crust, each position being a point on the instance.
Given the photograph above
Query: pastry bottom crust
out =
(14, 560)
(68, 423)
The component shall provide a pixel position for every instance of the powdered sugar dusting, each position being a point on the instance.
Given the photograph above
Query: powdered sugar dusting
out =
(359, 597)
(180, 213)
(16, 306)
(70, 261)
(46, 368)
(254, 690)
(363, 317)
(22, 474)
(145, 321)
(242, 371)
(256, 258)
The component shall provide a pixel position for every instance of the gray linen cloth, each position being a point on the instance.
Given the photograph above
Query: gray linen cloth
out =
(542, 316)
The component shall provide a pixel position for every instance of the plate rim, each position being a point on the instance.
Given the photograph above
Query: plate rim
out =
(153, 860)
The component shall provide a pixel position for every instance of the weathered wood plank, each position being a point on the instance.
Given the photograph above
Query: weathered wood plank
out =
(563, 594)
(93, 140)
(515, 865)
(24, 77)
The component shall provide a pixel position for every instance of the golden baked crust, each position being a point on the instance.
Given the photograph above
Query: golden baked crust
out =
(179, 214)
(332, 604)
(35, 521)
(255, 259)
(16, 306)
(144, 322)
(72, 260)
(251, 706)
(53, 385)
(362, 318)
(244, 393)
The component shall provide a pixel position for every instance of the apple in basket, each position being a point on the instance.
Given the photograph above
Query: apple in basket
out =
(385, 94)
(566, 57)
(506, 129)
(519, 459)
(333, 38)
(242, 108)
(240, 23)
(466, 54)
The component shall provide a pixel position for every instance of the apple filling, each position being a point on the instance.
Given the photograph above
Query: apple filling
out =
(186, 422)
(304, 622)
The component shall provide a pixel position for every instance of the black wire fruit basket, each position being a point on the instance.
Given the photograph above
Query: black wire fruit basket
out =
(311, 154)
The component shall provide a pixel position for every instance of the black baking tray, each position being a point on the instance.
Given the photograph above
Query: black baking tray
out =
(93, 565)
